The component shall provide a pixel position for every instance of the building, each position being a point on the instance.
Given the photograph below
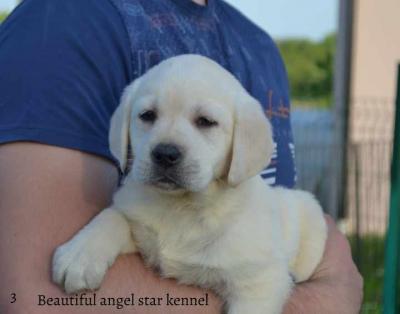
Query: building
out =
(374, 56)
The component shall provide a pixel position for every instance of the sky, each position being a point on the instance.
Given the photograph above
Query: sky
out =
(7, 5)
(311, 19)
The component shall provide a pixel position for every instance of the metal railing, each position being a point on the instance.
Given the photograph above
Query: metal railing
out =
(367, 192)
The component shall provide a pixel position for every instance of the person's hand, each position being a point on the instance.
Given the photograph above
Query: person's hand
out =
(336, 286)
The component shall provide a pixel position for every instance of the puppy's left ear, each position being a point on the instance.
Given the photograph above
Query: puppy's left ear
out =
(252, 145)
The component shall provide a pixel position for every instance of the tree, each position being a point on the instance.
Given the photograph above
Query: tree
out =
(310, 69)
(3, 16)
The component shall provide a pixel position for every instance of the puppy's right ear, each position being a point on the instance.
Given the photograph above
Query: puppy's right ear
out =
(118, 136)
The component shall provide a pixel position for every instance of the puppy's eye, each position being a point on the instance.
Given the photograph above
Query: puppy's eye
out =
(203, 122)
(148, 116)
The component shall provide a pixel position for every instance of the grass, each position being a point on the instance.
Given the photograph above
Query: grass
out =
(369, 256)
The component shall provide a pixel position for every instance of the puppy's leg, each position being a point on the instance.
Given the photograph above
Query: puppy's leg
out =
(82, 262)
(313, 233)
(265, 293)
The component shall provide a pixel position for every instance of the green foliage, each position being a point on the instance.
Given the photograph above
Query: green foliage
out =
(310, 68)
(369, 253)
(3, 16)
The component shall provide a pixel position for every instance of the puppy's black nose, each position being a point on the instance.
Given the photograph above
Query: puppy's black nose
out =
(166, 155)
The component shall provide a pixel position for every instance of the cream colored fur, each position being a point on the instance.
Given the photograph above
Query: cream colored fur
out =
(218, 225)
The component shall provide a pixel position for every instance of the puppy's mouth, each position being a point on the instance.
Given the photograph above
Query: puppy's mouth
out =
(167, 183)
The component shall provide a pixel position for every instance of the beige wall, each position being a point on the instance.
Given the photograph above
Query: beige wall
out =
(376, 48)
(376, 53)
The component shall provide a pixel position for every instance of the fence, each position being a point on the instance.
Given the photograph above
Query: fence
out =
(368, 187)
(368, 151)
(368, 191)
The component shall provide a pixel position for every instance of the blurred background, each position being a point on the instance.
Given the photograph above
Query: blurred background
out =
(341, 58)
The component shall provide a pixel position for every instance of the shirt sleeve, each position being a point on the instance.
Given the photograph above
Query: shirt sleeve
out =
(63, 66)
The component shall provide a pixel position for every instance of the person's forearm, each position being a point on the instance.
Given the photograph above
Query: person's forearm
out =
(306, 298)
(316, 297)
(47, 194)
(336, 285)
(129, 275)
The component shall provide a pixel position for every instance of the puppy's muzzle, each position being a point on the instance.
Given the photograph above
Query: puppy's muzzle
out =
(166, 155)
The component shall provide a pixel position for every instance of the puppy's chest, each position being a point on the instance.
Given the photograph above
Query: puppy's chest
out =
(190, 259)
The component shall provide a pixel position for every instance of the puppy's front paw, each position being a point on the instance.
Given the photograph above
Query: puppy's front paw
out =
(80, 264)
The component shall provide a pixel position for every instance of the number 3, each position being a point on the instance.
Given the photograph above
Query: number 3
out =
(13, 298)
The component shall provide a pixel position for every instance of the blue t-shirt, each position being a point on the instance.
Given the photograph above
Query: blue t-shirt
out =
(64, 64)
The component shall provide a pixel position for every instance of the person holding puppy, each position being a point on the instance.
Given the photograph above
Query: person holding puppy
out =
(64, 65)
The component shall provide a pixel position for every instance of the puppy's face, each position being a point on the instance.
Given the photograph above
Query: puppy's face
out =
(180, 135)
(190, 122)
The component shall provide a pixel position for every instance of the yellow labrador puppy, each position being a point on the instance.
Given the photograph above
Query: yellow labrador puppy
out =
(193, 204)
